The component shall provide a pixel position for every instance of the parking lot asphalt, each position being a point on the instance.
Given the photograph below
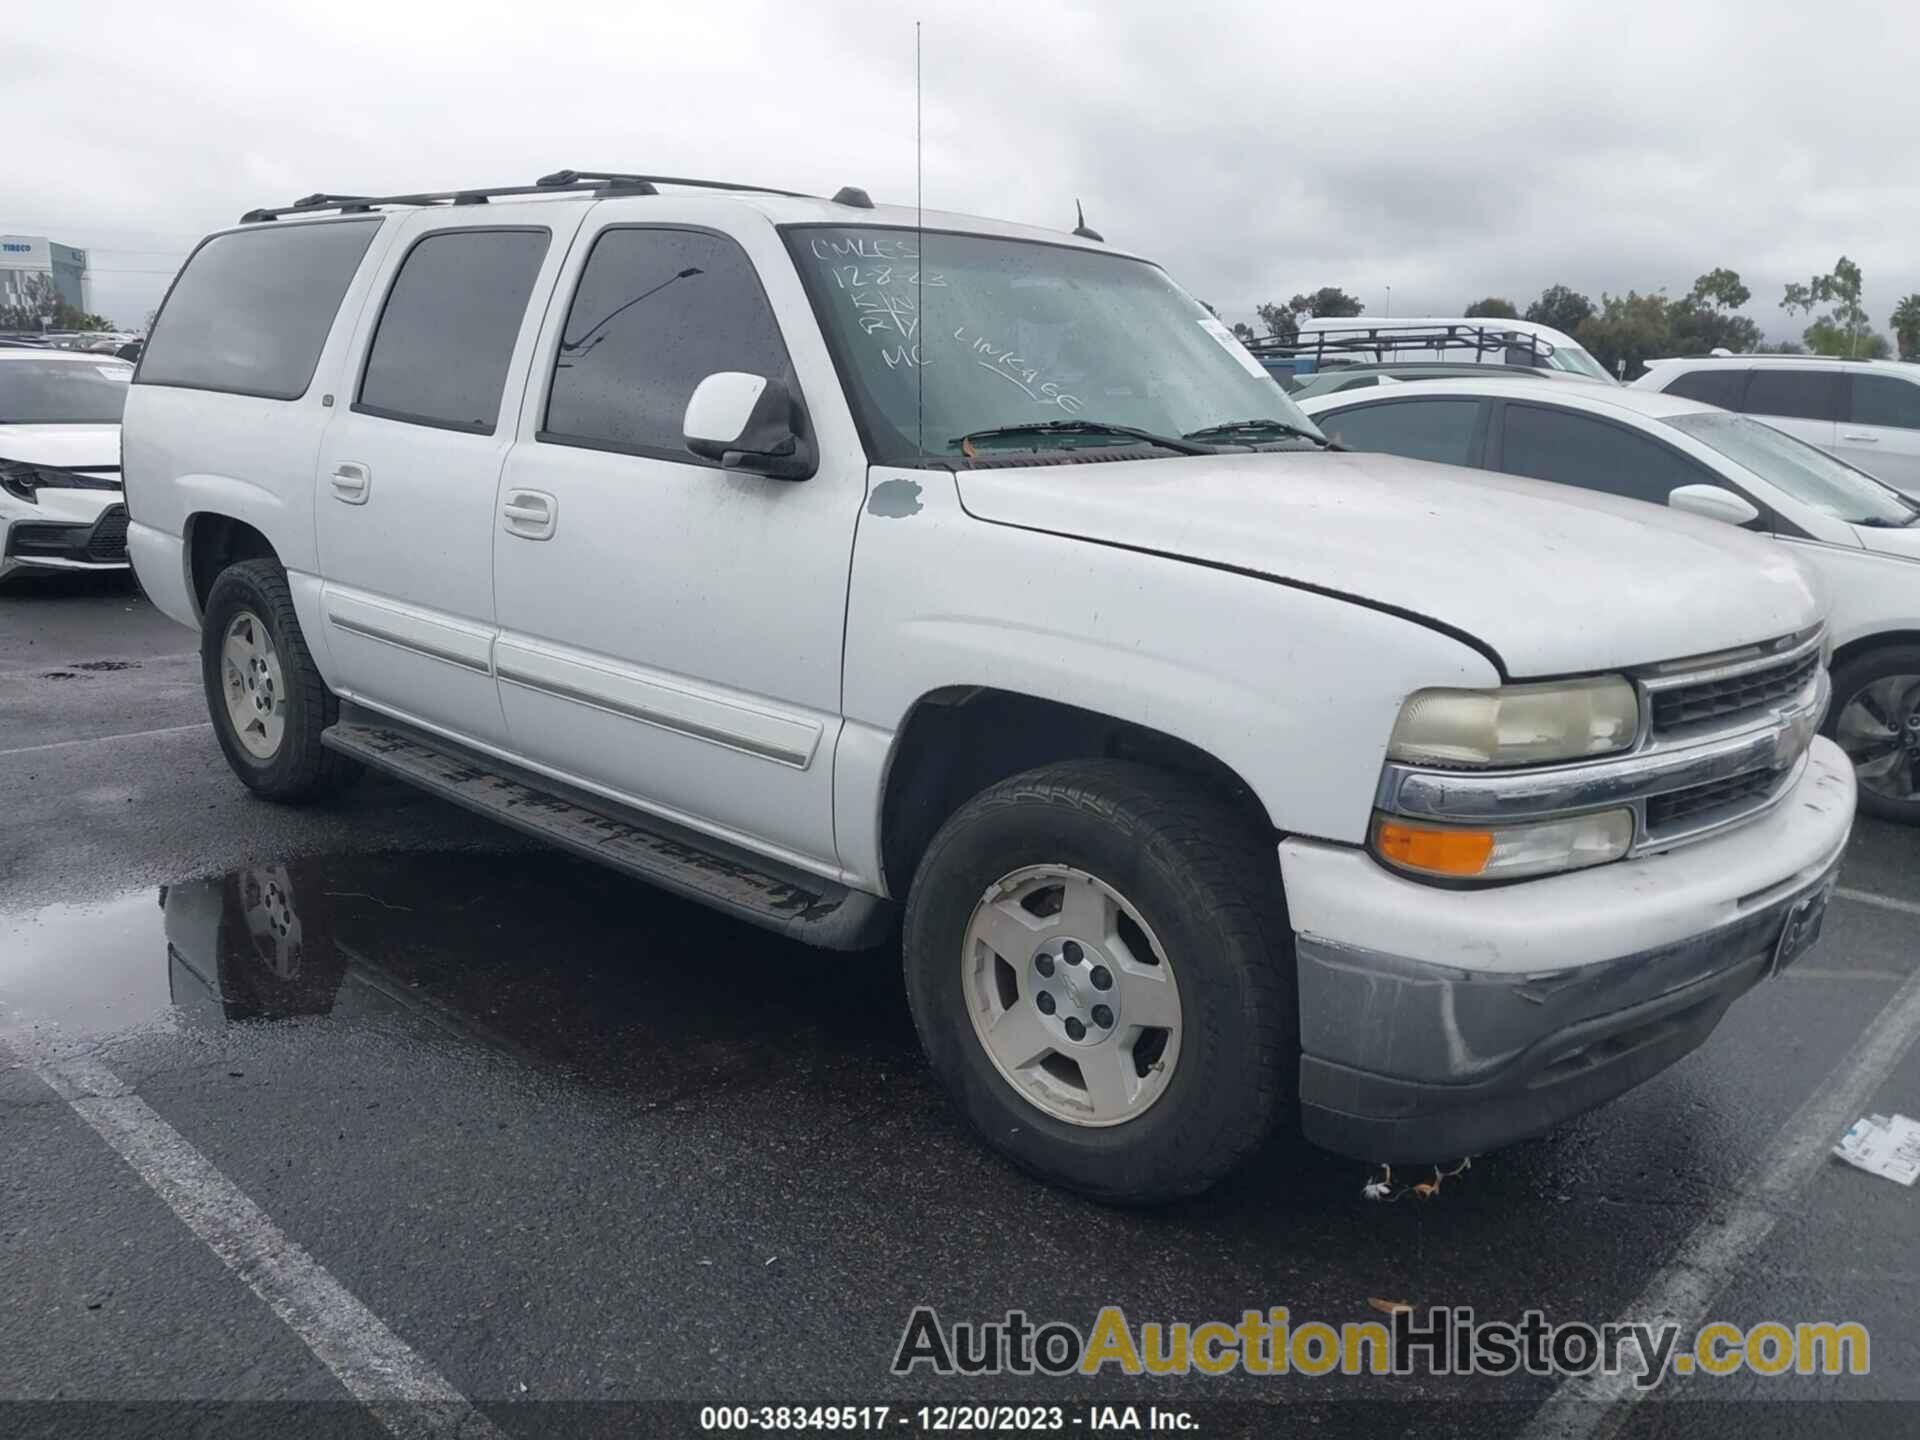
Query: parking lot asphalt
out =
(546, 1135)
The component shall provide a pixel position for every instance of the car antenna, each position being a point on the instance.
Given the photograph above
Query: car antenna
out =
(919, 258)
(1081, 228)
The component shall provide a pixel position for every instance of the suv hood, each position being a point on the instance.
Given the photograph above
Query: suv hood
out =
(73, 447)
(1555, 581)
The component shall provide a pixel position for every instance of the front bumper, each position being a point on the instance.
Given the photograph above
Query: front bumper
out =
(99, 544)
(1440, 1023)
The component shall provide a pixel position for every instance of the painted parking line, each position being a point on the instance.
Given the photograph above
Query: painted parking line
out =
(103, 739)
(377, 1367)
(1882, 902)
(1682, 1291)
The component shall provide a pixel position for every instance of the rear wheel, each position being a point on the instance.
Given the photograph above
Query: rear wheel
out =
(1875, 718)
(264, 693)
(1100, 969)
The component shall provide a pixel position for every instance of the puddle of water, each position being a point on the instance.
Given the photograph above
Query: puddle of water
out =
(537, 955)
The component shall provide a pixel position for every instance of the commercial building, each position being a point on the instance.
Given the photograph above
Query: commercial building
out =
(24, 256)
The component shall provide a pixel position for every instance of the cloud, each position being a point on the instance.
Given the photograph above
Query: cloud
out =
(1449, 151)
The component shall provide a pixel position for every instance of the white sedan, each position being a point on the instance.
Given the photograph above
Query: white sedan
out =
(60, 500)
(1860, 536)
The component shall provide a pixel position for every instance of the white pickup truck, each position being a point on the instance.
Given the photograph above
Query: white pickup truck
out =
(847, 568)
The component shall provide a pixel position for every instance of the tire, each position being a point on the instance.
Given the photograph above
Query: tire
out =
(1175, 873)
(1875, 718)
(288, 763)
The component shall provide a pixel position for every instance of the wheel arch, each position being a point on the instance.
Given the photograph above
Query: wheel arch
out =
(1861, 645)
(213, 541)
(959, 739)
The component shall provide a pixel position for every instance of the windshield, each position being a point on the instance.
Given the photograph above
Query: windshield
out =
(62, 392)
(1570, 357)
(1810, 476)
(1020, 333)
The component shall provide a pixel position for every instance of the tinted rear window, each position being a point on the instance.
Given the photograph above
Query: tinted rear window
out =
(440, 354)
(252, 309)
(1793, 394)
(1720, 387)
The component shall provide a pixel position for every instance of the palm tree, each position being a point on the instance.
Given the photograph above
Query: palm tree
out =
(1906, 327)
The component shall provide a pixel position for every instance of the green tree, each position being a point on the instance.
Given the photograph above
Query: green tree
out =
(1243, 331)
(1906, 327)
(1705, 321)
(1279, 320)
(41, 308)
(1780, 347)
(1563, 308)
(1634, 328)
(1491, 308)
(1846, 325)
(1844, 341)
(1328, 302)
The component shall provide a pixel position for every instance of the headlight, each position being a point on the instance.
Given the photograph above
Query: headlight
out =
(1517, 724)
(1502, 852)
(20, 480)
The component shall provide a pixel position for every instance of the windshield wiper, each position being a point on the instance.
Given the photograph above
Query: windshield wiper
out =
(1228, 429)
(1086, 427)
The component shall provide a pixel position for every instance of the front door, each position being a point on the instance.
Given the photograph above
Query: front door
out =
(1880, 430)
(410, 461)
(670, 631)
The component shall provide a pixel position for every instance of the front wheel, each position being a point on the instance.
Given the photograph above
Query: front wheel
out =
(1875, 718)
(265, 696)
(1100, 970)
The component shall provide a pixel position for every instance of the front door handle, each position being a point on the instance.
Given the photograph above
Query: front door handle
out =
(1861, 439)
(352, 482)
(530, 514)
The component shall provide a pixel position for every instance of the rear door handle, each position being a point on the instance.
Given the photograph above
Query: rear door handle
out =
(352, 482)
(1862, 439)
(530, 514)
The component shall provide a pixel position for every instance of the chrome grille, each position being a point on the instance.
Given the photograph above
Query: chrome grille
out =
(1682, 809)
(1751, 693)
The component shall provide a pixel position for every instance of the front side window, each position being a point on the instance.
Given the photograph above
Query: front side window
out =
(446, 334)
(1883, 400)
(940, 337)
(1439, 430)
(251, 311)
(1720, 386)
(1571, 449)
(656, 312)
(34, 391)
(1792, 394)
(1811, 476)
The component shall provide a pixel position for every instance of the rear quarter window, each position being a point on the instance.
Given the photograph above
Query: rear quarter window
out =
(251, 311)
(1719, 386)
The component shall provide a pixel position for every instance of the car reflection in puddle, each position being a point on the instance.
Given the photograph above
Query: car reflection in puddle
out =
(540, 956)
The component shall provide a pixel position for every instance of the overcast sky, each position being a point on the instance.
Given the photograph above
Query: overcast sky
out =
(1448, 150)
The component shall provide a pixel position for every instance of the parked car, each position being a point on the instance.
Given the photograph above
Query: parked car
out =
(840, 574)
(60, 503)
(1861, 537)
(1867, 412)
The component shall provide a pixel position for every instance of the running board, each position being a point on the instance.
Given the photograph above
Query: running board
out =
(731, 880)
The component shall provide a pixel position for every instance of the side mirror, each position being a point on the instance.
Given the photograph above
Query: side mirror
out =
(747, 422)
(1715, 503)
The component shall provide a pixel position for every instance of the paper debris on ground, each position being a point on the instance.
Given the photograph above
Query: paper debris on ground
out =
(1883, 1145)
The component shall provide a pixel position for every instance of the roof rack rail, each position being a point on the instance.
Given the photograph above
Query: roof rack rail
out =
(600, 182)
(1351, 341)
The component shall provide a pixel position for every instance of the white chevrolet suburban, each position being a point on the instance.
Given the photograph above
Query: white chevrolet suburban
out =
(833, 564)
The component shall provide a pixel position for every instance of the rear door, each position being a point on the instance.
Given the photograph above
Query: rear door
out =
(1803, 402)
(410, 462)
(1880, 430)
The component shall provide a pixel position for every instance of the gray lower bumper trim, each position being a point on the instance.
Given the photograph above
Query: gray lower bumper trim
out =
(1404, 1060)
